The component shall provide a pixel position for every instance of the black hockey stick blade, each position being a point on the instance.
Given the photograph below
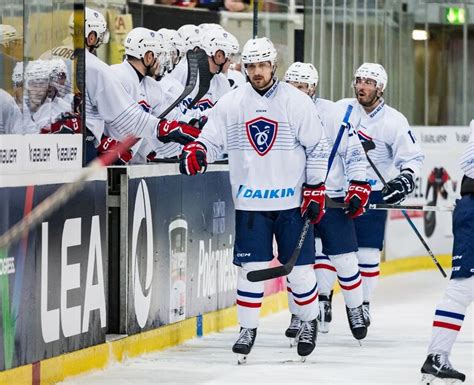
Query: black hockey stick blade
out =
(280, 271)
(368, 145)
(191, 81)
(205, 76)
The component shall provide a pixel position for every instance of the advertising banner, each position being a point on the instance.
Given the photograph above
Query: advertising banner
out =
(180, 248)
(53, 281)
(438, 184)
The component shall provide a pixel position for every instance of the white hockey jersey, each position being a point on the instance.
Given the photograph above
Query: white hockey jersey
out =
(49, 112)
(11, 118)
(396, 147)
(235, 78)
(467, 159)
(107, 101)
(149, 95)
(350, 162)
(271, 141)
(218, 87)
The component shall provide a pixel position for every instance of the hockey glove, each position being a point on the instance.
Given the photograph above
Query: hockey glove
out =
(193, 159)
(314, 204)
(66, 123)
(174, 131)
(357, 198)
(198, 123)
(398, 188)
(108, 144)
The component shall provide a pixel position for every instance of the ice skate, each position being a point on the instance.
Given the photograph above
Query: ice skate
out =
(244, 344)
(438, 367)
(306, 338)
(366, 311)
(357, 325)
(325, 313)
(292, 330)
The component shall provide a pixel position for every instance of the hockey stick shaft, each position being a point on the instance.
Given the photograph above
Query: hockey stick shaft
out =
(285, 269)
(407, 217)
(62, 195)
(191, 81)
(280, 271)
(386, 206)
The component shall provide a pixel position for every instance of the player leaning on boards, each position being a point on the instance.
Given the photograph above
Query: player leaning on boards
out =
(108, 103)
(349, 164)
(459, 293)
(270, 131)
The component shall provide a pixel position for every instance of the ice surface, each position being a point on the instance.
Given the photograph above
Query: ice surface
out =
(393, 352)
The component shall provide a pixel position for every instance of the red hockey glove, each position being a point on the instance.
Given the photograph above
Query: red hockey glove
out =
(193, 159)
(199, 123)
(174, 131)
(314, 204)
(66, 123)
(357, 198)
(108, 144)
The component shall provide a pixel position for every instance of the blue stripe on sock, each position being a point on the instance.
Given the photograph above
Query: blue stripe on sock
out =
(322, 257)
(368, 265)
(350, 278)
(249, 294)
(444, 313)
(306, 294)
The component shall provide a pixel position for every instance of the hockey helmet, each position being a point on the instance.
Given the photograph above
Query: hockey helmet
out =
(372, 71)
(219, 40)
(259, 50)
(302, 73)
(139, 41)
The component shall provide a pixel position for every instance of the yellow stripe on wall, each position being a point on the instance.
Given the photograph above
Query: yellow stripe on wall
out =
(98, 357)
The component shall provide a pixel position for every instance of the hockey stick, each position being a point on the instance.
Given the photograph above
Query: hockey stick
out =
(387, 206)
(191, 80)
(205, 76)
(62, 195)
(370, 145)
(285, 269)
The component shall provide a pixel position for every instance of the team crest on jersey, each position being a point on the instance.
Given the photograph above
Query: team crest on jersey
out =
(201, 105)
(262, 133)
(144, 105)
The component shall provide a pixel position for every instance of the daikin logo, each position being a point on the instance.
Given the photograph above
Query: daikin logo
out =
(142, 215)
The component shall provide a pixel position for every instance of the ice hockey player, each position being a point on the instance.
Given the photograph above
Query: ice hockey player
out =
(459, 293)
(395, 147)
(349, 164)
(123, 115)
(271, 133)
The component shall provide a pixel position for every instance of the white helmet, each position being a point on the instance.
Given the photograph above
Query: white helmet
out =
(59, 76)
(191, 34)
(95, 22)
(7, 33)
(219, 40)
(204, 27)
(139, 41)
(302, 73)
(174, 38)
(37, 71)
(17, 75)
(164, 53)
(373, 71)
(259, 50)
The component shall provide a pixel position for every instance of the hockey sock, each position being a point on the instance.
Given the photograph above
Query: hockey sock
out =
(369, 260)
(304, 289)
(249, 295)
(449, 315)
(349, 278)
(324, 270)
(292, 306)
